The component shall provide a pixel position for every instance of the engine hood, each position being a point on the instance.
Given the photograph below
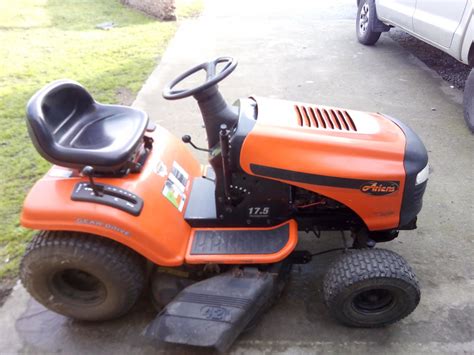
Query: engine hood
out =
(335, 152)
(315, 138)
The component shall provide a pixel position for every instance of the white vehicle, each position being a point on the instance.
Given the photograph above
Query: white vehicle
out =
(444, 24)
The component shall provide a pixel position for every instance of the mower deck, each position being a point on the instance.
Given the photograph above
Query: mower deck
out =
(212, 313)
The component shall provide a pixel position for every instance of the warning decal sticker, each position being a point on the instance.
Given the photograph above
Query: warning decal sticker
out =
(175, 186)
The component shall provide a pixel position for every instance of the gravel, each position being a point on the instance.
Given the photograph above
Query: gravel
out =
(446, 66)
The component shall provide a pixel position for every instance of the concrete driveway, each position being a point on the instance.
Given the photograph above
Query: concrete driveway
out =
(307, 51)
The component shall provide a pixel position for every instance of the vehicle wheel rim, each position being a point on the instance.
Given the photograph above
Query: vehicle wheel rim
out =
(364, 18)
(78, 286)
(373, 301)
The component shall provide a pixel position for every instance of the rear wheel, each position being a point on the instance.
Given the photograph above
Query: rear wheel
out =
(469, 101)
(82, 276)
(371, 288)
(366, 18)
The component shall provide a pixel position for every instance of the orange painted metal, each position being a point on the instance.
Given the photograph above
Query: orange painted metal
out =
(245, 258)
(159, 233)
(373, 150)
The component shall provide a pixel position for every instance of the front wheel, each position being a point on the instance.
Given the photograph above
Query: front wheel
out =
(469, 101)
(82, 276)
(371, 288)
(366, 18)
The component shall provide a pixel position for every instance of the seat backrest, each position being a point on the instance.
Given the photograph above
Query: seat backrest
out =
(53, 110)
(69, 128)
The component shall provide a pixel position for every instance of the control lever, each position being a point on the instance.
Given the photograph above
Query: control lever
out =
(89, 172)
(224, 141)
(187, 139)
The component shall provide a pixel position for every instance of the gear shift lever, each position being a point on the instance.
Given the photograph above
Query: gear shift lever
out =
(89, 172)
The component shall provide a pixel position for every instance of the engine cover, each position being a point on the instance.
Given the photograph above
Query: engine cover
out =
(353, 157)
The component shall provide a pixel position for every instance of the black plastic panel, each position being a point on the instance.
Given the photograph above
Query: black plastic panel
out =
(212, 313)
(312, 179)
(110, 195)
(232, 242)
(202, 205)
(416, 158)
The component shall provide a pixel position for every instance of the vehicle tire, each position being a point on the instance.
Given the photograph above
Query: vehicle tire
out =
(370, 288)
(469, 101)
(82, 276)
(366, 17)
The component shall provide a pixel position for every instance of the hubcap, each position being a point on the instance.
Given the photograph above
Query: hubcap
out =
(373, 301)
(364, 18)
(78, 286)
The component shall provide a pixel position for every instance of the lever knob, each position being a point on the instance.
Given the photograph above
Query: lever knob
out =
(88, 171)
(187, 139)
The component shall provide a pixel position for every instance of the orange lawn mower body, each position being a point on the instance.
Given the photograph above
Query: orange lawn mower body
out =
(227, 229)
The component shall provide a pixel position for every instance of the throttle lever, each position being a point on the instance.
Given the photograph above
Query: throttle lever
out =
(187, 139)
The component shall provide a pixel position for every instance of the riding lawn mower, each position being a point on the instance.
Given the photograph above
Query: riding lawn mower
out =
(126, 207)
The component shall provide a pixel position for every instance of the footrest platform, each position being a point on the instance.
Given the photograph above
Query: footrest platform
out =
(242, 245)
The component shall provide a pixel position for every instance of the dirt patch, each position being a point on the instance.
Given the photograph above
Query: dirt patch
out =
(446, 66)
(125, 96)
(161, 9)
(6, 287)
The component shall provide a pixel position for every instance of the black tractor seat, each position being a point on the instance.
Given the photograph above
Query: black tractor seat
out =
(69, 128)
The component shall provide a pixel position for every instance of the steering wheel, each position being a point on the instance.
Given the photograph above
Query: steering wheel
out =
(212, 78)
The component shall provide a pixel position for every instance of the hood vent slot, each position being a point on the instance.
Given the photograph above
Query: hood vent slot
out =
(323, 118)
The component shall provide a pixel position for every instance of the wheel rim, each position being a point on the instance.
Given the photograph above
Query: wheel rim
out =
(78, 286)
(373, 301)
(364, 18)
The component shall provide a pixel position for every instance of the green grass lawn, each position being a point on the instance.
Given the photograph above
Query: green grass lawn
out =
(44, 40)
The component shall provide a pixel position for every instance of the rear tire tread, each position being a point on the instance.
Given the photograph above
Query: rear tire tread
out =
(118, 258)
